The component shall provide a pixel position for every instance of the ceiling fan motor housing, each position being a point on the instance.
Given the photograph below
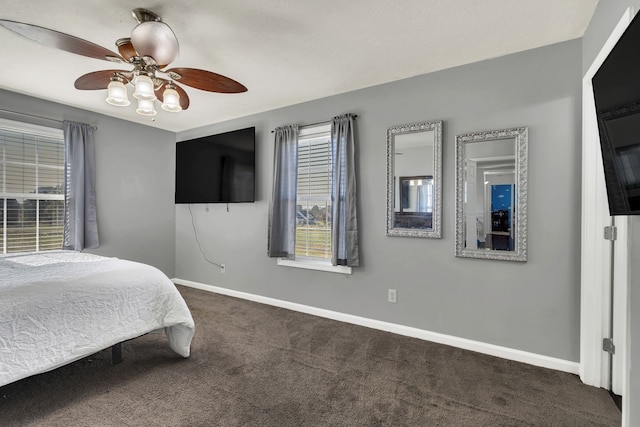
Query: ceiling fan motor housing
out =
(157, 40)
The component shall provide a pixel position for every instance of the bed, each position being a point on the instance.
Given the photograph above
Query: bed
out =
(58, 307)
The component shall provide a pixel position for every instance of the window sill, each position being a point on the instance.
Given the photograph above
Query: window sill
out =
(310, 264)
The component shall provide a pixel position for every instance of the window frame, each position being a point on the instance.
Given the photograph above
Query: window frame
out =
(36, 131)
(305, 262)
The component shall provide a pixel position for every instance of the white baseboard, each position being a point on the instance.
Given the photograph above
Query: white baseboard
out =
(477, 346)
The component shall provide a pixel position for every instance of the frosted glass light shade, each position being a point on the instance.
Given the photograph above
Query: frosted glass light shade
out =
(117, 94)
(146, 107)
(171, 100)
(157, 40)
(144, 88)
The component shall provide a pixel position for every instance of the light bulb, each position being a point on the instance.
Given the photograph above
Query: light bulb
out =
(146, 107)
(144, 88)
(171, 100)
(117, 93)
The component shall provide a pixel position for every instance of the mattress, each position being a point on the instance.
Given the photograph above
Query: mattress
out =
(58, 307)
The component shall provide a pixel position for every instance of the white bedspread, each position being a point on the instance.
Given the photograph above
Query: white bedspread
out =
(57, 307)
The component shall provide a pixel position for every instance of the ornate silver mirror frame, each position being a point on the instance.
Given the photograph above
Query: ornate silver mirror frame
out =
(414, 184)
(491, 194)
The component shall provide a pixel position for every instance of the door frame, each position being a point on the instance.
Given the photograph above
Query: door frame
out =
(596, 252)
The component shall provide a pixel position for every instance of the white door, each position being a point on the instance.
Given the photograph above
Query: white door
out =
(604, 265)
(620, 294)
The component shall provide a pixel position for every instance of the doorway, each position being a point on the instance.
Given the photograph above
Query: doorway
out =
(604, 262)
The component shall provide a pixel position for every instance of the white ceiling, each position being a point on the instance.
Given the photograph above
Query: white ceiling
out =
(284, 51)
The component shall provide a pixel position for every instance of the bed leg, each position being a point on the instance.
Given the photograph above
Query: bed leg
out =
(116, 354)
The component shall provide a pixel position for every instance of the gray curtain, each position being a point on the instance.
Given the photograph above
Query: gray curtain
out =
(80, 213)
(282, 212)
(344, 240)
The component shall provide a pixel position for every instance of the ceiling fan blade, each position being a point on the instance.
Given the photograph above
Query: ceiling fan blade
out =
(184, 98)
(95, 80)
(126, 49)
(205, 80)
(61, 41)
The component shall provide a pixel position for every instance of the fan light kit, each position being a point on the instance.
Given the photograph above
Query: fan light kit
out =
(150, 49)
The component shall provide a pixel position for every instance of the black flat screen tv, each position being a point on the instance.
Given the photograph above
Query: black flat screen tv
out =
(616, 89)
(217, 168)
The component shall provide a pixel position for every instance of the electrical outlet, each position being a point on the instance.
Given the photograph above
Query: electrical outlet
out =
(392, 295)
(222, 268)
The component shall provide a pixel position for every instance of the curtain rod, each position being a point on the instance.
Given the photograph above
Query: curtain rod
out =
(355, 116)
(38, 117)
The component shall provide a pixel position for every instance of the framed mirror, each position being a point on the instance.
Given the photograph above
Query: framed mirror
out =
(491, 194)
(414, 180)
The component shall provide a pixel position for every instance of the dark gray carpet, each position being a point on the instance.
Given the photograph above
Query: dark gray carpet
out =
(256, 365)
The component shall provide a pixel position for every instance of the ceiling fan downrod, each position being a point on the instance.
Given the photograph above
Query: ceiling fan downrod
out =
(144, 15)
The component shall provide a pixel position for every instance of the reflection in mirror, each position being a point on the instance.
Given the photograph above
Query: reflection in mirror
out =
(416, 194)
(414, 180)
(491, 195)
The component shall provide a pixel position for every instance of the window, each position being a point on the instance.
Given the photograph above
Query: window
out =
(313, 198)
(31, 187)
(313, 201)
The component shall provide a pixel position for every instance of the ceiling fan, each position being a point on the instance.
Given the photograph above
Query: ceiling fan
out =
(150, 49)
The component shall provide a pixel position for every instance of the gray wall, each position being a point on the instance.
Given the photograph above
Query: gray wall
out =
(134, 181)
(604, 20)
(532, 306)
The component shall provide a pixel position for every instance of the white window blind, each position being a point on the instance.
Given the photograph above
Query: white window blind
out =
(31, 187)
(313, 200)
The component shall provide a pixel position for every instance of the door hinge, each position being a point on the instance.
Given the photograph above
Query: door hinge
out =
(607, 345)
(610, 232)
